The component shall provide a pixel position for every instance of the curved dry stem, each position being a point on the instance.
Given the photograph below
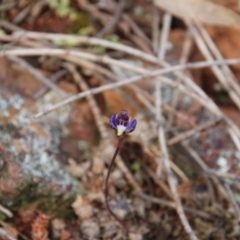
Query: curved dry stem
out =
(106, 188)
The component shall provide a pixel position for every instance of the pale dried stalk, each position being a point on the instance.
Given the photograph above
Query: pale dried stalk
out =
(125, 82)
(6, 211)
(170, 204)
(183, 59)
(107, 60)
(95, 109)
(10, 26)
(170, 177)
(205, 168)
(5, 235)
(38, 75)
(167, 19)
(76, 53)
(89, 41)
(233, 201)
(216, 70)
(210, 43)
(224, 175)
(155, 29)
(209, 105)
(114, 21)
(187, 45)
(159, 182)
(187, 134)
(232, 128)
(195, 156)
(95, 41)
(173, 166)
(53, 78)
(145, 56)
(140, 37)
(140, 93)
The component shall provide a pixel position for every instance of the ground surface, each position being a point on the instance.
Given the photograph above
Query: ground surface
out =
(176, 173)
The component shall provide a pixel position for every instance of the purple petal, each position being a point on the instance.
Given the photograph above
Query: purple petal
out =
(132, 125)
(113, 121)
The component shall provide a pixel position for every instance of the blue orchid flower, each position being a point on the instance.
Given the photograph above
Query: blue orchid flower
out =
(122, 123)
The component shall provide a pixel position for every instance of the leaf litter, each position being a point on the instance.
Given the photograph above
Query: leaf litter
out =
(53, 168)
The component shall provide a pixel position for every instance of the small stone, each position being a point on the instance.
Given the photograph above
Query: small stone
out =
(139, 206)
(90, 229)
(97, 165)
(58, 226)
(83, 208)
(120, 207)
(78, 170)
(35, 137)
(135, 236)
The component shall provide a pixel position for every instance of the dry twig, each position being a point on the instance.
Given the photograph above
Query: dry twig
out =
(170, 204)
(189, 133)
(129, 81)
(37, 74)
(165, 158)
(167, 19)
(5, 235)
(216, 70)
(112, 24)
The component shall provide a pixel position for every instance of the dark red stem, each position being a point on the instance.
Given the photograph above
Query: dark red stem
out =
(120, 141)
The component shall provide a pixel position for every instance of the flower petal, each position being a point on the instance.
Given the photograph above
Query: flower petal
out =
(113, 121)
(131, 126)
(120, 130)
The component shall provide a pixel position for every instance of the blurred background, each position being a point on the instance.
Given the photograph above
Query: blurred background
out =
(66, 66)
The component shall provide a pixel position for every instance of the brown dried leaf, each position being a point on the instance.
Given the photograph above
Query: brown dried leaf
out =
(10, 230)
(82, 208)
(78, 170)
(65, 235)
(97, 165)
(201, 10)
(24, 219)
(40, 227)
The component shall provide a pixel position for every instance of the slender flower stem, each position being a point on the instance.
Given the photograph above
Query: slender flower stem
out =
(120, 141)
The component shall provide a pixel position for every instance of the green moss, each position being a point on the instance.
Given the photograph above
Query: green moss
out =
(136, 166)
(63, 9)
(82, 20)
(46, 199)
(3, 217)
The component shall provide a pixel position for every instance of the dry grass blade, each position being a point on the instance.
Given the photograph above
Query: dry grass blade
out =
(165, 158)
(201, 10)
(170, 204)
(183, 59)
(5, 235)
(233, 201)
(217, 54)
(95, 109)
(217, 71)
(155, 29)
(6, 211)
(112, 24)
(37, 74)
(189, 133)
(132, 80)
(167, 19)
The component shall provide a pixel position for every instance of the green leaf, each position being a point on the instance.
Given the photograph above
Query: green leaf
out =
(136, 166)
